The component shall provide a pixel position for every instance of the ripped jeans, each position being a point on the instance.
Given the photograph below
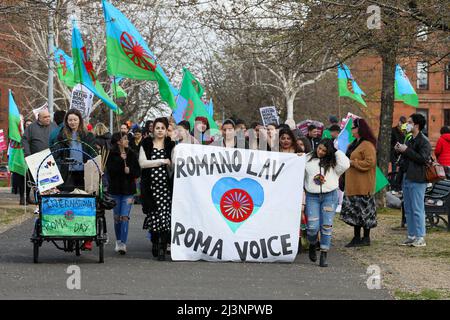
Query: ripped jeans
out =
(320, 210)
(122, 216)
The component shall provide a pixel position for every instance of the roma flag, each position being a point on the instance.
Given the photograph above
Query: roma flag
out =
(16, 158)
(404, 91)
(64, 67)
(128, 56)
(348, 86)
(84, 70)
(190, 102)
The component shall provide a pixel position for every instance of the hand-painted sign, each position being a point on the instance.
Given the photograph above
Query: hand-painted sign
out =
(68, 216)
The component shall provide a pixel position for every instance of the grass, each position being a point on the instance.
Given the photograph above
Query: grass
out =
(408, 273)
(3, 183)
(8, 215)
(426, 294)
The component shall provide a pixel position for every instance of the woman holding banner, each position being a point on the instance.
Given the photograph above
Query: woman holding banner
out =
(324, 166)
(359, 208)
(156, 186)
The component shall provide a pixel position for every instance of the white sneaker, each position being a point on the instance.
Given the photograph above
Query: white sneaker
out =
(123, 248)
(408, 242)
(419, 242)
(118, 246)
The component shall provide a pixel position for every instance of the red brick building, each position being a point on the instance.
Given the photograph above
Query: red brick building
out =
(431, 83)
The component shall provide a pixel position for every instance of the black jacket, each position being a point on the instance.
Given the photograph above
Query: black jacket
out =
(414, 159)
(103, 141)
(121, 183)
(396, 136)
(314, 142)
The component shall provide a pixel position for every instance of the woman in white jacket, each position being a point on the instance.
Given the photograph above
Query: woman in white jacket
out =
(324, 166)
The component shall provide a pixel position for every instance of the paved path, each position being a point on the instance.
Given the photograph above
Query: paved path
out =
(138, 276)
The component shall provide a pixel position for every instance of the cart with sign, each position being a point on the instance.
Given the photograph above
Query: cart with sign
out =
(69, 220)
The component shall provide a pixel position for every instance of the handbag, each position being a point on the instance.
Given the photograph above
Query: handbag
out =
(434, 171)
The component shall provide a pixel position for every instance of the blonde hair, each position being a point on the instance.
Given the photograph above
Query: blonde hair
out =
(100, 129)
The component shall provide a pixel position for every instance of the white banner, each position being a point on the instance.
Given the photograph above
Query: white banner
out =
(236, 204)
(82, 99)
(49, 175)
(269, 115)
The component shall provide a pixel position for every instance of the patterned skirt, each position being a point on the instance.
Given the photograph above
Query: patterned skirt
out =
(359, 211)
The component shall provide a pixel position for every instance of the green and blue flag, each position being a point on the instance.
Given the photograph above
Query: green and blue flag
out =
(127, 54)
(84, 70)
(347, 85)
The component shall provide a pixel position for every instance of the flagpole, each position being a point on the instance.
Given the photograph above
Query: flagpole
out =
(339, 108)
(50, 59)
(111, 113)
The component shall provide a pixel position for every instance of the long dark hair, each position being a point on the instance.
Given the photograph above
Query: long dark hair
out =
(291, 135)
(329, 160)
(115, 138)
(67, 130)
(364, 131)
(162, 120)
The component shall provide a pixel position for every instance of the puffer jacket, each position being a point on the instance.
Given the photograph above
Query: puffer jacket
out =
(442, 150)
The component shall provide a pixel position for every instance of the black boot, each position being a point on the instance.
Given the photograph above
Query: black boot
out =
(162, 246)
(155, 243)
(323, 259)
(22, 200)
(366, 239)
(356, 242)
(312, 252)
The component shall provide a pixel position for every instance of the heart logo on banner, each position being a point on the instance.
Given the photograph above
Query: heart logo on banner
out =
(237, 201)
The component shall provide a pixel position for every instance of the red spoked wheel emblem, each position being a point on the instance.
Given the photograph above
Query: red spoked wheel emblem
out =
(63, 63)
(136, 53)
(350, 85)
(236, 205)
(69, 215)
(189, 110)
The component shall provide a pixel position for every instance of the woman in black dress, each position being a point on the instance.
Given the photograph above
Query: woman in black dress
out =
(156, 185)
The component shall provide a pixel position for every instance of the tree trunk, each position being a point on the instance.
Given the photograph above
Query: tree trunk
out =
(290, 107)
(389, 59)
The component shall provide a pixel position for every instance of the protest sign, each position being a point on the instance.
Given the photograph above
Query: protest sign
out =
(303, 126)
(49, 175)
(68, 216)
(3, 145)
(227, 204)
(269, 115)
(82, 99)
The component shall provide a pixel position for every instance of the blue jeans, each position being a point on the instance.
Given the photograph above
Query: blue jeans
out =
(122, 216)
(320, 210)
(414, 205)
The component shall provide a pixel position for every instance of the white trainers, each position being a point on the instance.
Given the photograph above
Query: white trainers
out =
(118, 246)
(123, 248)
(419, 242)
(408, 242)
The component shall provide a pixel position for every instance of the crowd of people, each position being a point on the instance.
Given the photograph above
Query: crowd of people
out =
(139, 161)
